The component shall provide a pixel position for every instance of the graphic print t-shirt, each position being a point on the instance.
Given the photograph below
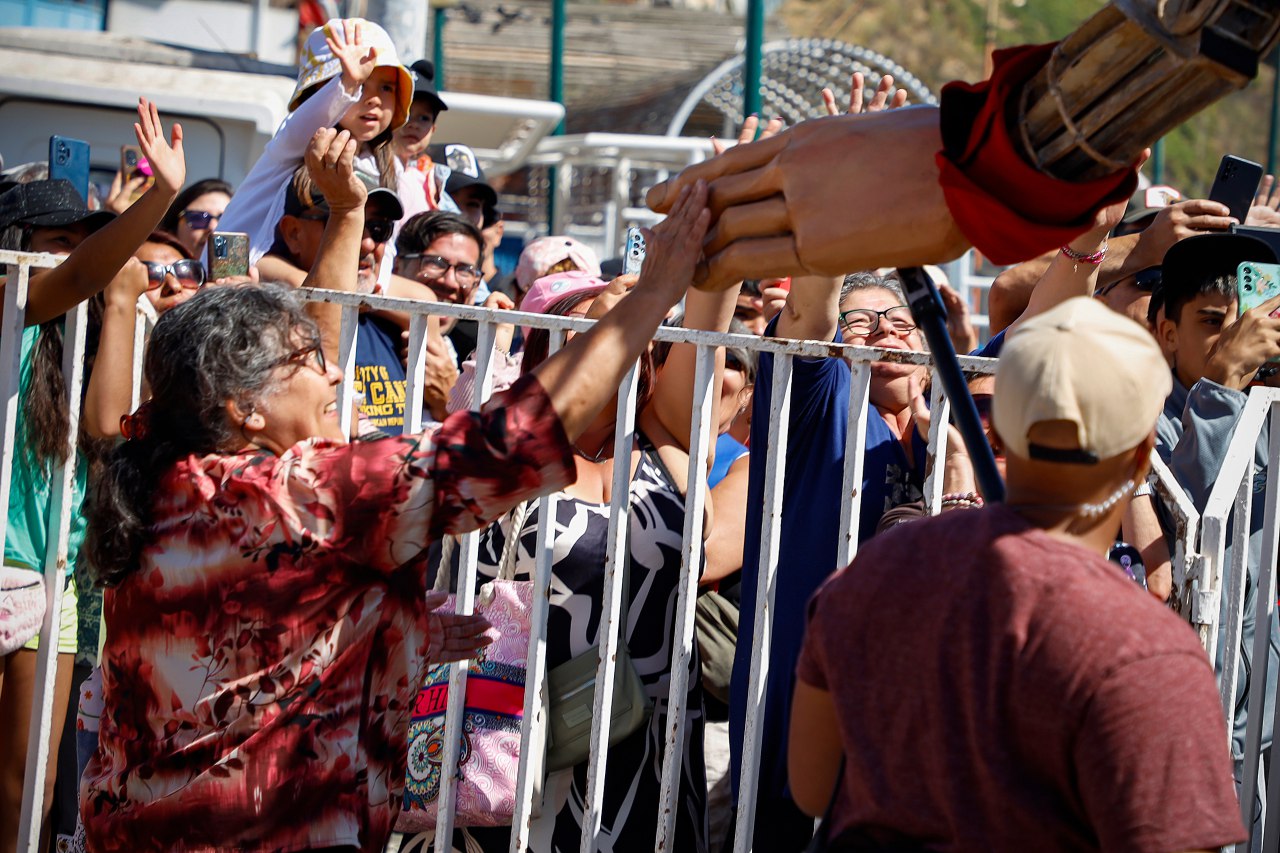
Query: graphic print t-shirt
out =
(380, 375)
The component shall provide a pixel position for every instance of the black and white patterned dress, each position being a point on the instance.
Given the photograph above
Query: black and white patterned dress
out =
(633, 777)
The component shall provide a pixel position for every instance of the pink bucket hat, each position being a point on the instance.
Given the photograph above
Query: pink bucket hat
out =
(317, 64)
(550, 289)
(545, 252)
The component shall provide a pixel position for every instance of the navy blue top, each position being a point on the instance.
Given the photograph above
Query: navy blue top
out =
(811, 501)
(380, 374)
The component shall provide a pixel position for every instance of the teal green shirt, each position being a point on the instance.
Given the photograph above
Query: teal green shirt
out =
(31, 490)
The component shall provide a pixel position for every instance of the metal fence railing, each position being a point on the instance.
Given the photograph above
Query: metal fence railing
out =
(1196, 577)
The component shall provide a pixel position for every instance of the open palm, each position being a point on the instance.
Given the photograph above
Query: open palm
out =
(168, 162)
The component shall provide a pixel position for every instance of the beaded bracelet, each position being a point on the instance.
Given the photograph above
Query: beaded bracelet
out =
(964, 500)
(1095, 258)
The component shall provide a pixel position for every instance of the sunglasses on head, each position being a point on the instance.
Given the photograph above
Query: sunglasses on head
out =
(190, 274)
(198, 220)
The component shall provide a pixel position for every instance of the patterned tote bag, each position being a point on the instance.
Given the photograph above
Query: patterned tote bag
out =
(490, 751)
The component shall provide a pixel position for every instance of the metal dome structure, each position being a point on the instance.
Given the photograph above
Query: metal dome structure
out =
(794, 71)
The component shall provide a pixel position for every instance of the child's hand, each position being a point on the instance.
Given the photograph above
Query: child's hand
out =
(168, 162)
(330, 160)
(348, 47)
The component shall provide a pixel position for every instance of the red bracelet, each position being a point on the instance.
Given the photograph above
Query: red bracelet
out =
(1095, 258)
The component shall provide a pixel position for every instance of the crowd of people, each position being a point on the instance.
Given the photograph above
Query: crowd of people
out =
(250, 602)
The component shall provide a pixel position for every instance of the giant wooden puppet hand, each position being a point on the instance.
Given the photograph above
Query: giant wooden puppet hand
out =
(1015, 166)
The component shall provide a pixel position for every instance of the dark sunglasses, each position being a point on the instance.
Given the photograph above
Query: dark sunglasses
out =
(190, 274)
(198, 220)
(379, 230)
(1145, 280)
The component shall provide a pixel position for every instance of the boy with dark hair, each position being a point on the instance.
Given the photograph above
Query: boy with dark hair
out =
(1215, 356)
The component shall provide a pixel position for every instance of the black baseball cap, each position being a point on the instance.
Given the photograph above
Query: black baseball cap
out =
(1189, 262)
(302, 196)
(48, 204)
(464, 173)
(423, 73)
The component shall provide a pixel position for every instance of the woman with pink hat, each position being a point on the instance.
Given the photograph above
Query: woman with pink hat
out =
(348, 77)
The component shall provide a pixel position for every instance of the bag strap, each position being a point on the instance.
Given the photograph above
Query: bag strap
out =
(510, 550)
(511, 547)
(444, 572)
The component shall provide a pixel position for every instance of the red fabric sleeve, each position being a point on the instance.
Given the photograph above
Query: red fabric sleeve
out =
(1008, 209)
(487, 463)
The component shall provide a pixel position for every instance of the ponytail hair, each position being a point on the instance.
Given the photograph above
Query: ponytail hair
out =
(224, 344)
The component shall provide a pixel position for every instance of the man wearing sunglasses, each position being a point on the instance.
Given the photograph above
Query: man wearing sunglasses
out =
(380, 373)
(1131, 295)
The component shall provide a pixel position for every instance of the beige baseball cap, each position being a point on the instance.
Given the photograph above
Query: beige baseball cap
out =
(1085, 364)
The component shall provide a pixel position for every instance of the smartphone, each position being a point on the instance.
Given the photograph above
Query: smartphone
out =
(228, 255)
(69, 160)
(1236, 185)
(633, 252)
(1270, 236)
(129, 157)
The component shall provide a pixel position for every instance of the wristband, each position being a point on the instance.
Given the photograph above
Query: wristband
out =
(1081, 257)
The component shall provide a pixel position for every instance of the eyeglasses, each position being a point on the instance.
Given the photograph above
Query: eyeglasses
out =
(199, 220)
(377, 230)
(300, 358)
(863, 322)
(190, 274)
(434, 266)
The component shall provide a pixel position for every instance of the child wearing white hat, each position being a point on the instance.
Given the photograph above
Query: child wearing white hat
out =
(348, 77)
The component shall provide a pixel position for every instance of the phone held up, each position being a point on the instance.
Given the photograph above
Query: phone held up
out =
(1236, 184)
(69, 160)
(633, 253)
(228, 255)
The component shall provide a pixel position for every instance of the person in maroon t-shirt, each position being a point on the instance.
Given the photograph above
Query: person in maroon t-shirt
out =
(991, 681)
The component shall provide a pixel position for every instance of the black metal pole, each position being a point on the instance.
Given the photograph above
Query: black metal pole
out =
(931, 316)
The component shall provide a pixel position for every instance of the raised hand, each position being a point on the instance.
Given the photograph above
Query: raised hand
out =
(168, 162)
(611, 296)
(121, 195)
(330, 159)
(747, 133)
(885, 97)
(777, 203)
(452, 636)
(675, 243)
(128, 284)
(1265, 211)
(959, 328)
(348, 48)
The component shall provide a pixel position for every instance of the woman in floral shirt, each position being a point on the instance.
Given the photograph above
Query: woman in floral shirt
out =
(266, 578)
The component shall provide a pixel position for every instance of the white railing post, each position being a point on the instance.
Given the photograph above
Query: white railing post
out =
(463, 602)
(762, 627)
(533, 738)
(940, 414)
(611, 627)
(855, 446)
(55, 575)
(705, 392)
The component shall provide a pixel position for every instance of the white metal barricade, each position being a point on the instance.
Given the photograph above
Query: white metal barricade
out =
(1187, 563)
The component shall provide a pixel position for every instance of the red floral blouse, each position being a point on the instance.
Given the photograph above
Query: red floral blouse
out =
(260, 663)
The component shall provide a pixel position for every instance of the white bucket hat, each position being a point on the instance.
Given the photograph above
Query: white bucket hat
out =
(318, 64)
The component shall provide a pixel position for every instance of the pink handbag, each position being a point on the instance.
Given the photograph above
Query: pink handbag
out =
(22, 603)
(494, 713)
